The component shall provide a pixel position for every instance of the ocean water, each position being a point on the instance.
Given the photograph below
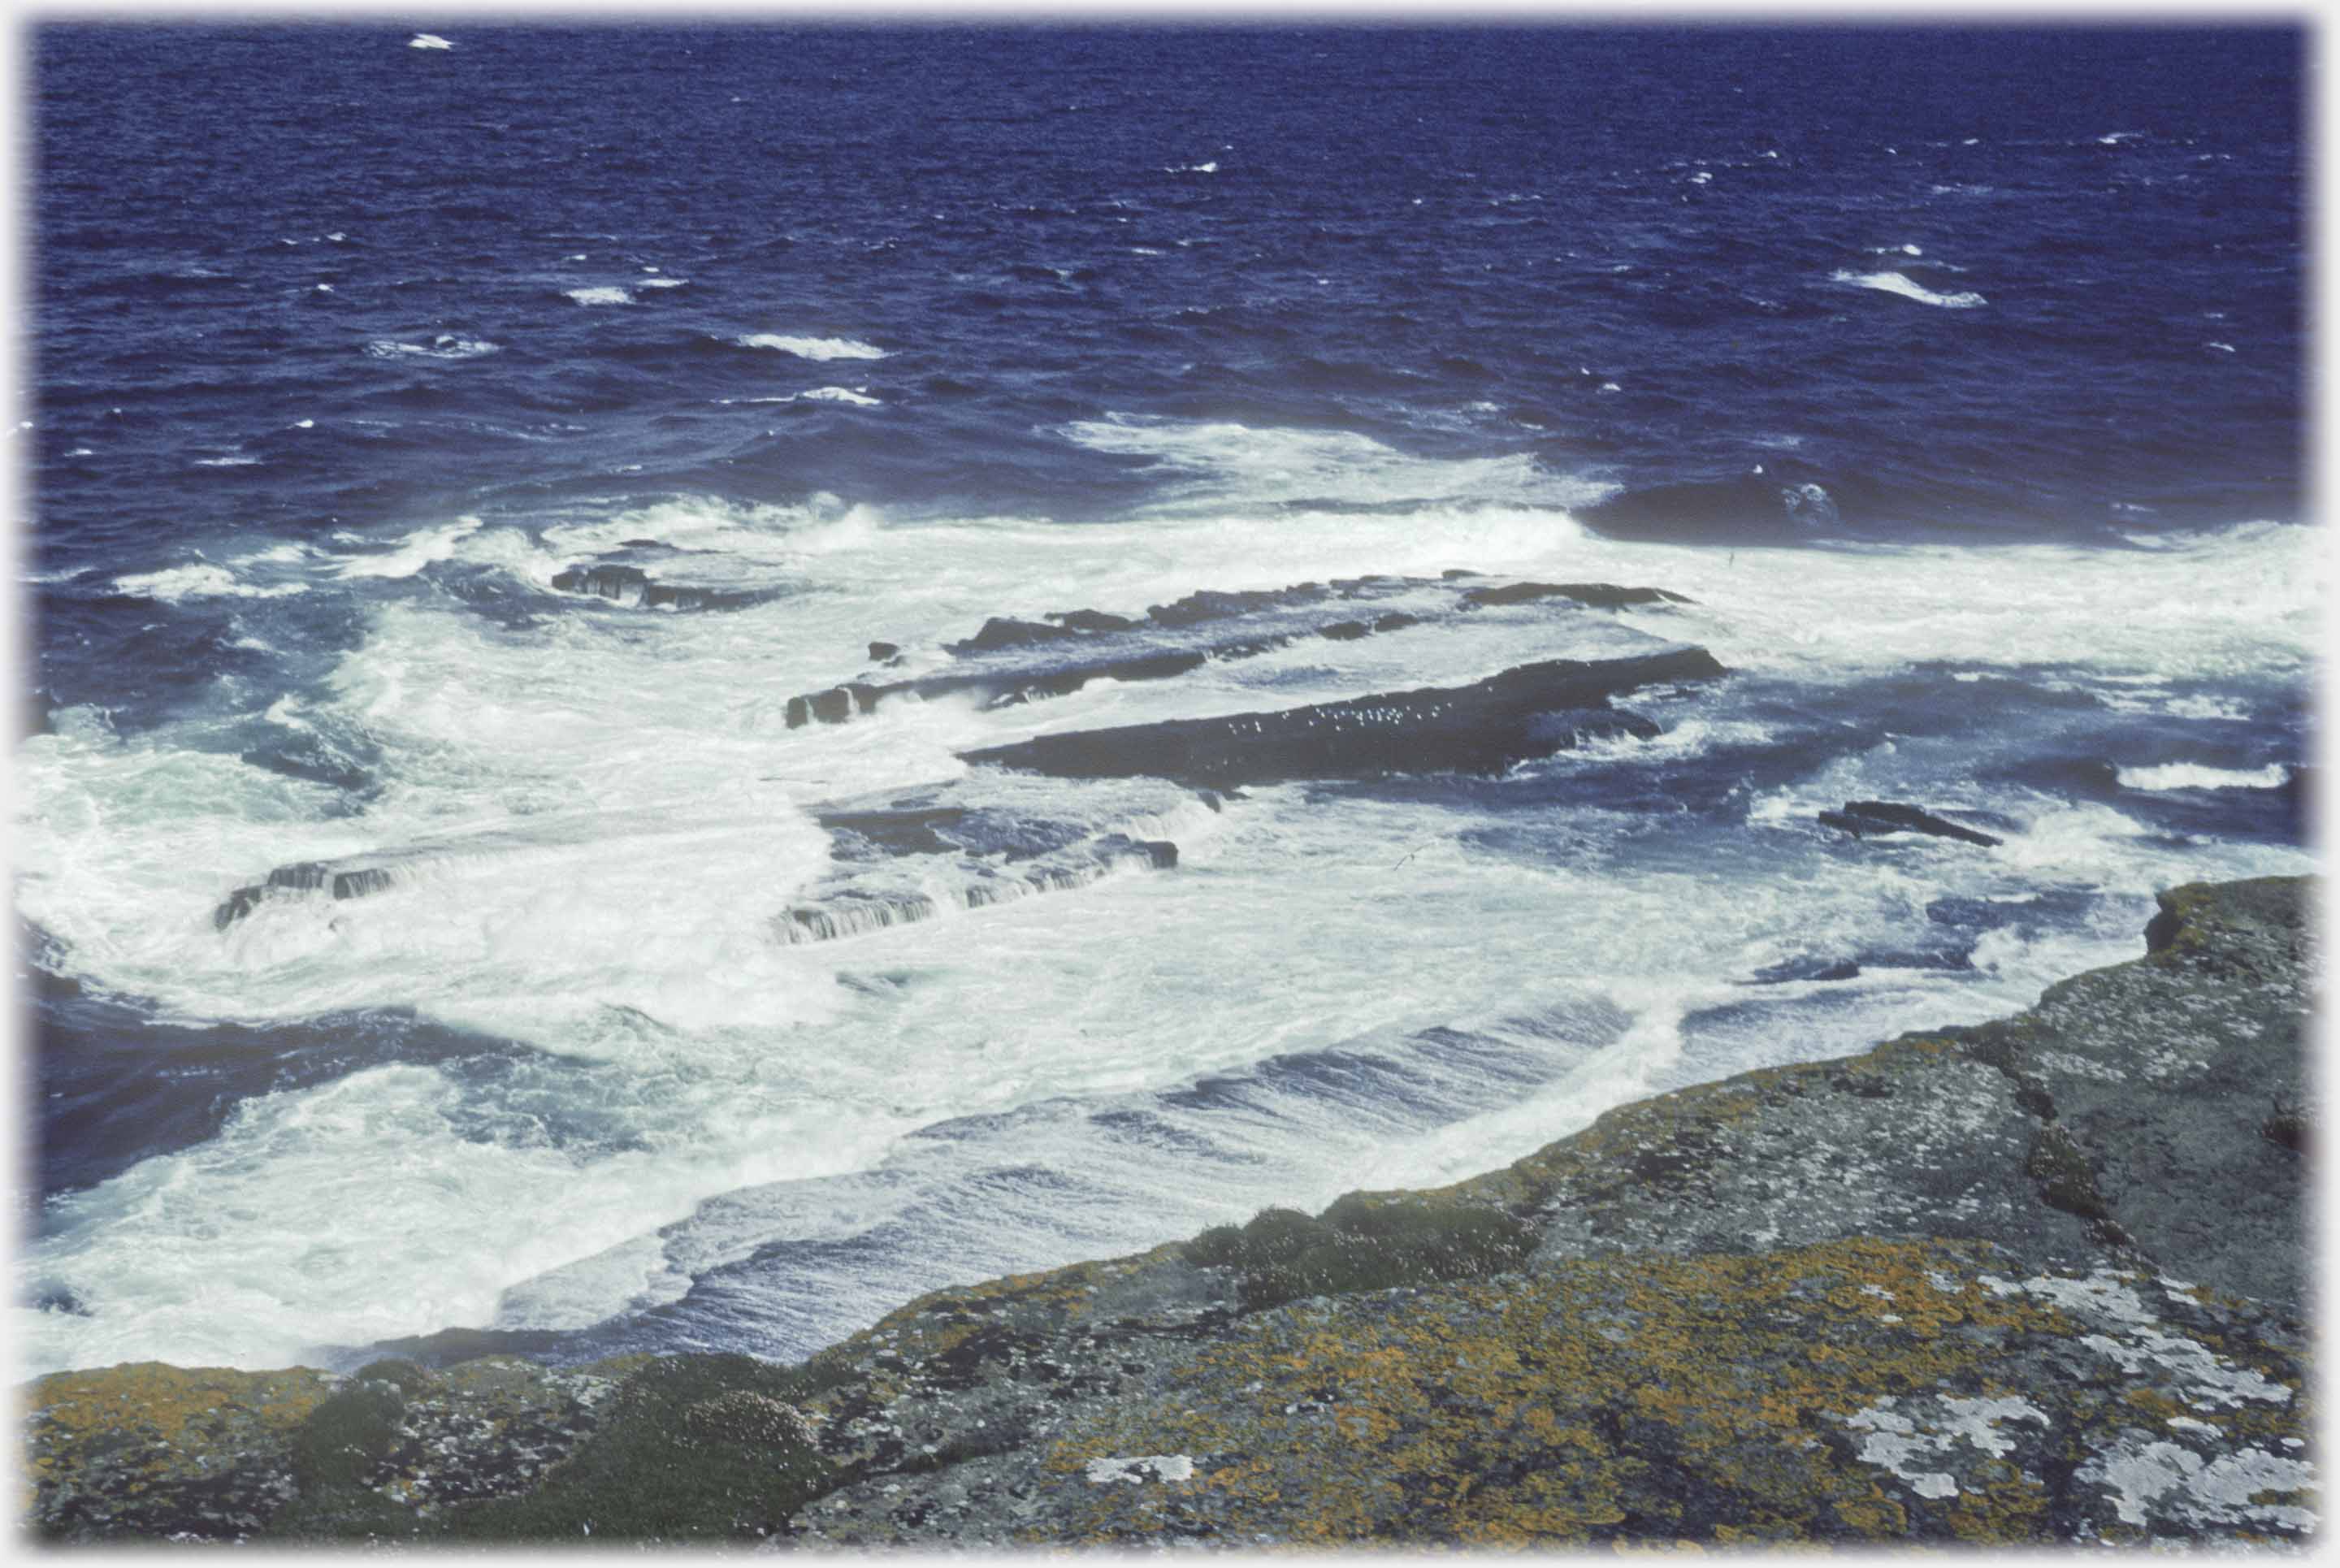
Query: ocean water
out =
(473, 870)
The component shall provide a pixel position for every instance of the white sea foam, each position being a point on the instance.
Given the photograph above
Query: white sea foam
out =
(2199, 776)
(603, 294)
(840, 395)
(1265, 464)
(412, 553)
(813, 348)
(233, 461)
(1896, 284)
(596, 815)
(175, 584)
(428, 41)
(664, 282)
(444, 346)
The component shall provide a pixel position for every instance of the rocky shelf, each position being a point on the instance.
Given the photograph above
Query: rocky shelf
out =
(2040, 1280)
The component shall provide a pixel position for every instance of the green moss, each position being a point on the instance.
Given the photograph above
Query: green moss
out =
(2066, 1181)
(690, 1448)
(1274, 1236)
(1362, 1242)
(347, 1434)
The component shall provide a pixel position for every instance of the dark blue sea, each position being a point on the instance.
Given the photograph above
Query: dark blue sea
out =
(682, 681)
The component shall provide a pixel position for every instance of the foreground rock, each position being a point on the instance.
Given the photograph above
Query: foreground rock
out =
(2036, 1281)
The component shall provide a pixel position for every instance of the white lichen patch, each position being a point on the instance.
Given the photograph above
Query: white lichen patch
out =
(1141, 1469)
(2209, 1383)
(2145, 1480)
(2135, 1340)
(1900, 1442)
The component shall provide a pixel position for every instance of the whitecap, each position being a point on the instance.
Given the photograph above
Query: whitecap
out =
(2199, 776)
(225, 461)
(813, 348)
(2223, 348)
(196, 580)
(428, 41)
(445, 346)
(1224, 461)
(839, 394)
(664, 282)
(599, 297)
(415, 551)
(1896, 284)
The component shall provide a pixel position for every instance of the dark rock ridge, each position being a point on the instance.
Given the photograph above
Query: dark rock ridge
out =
(636, 589)
(1531, 710)
(850, 911)
(338, 879)
(1076, 647)
(2034, 1281)
(1862, 818)
(898, 857)
(1599, 595)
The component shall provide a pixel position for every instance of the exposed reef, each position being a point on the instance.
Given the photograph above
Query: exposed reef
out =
(1531, 711)
(1010, 660)
(1864, 819)
(2040, 1280)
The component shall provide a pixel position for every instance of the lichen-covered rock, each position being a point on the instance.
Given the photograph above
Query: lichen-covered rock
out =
(179, 1453)
(1966, 1286)
(149, 1450)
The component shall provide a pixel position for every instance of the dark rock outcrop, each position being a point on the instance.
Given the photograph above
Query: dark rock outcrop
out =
(1865, 819)
(1531, 711)
(1600, 595)
(340, 880)
(2037, 1281)
(633, 587)
(1010, 660)
(850, 911)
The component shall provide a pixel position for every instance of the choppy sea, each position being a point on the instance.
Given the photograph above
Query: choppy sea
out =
(473, 870)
